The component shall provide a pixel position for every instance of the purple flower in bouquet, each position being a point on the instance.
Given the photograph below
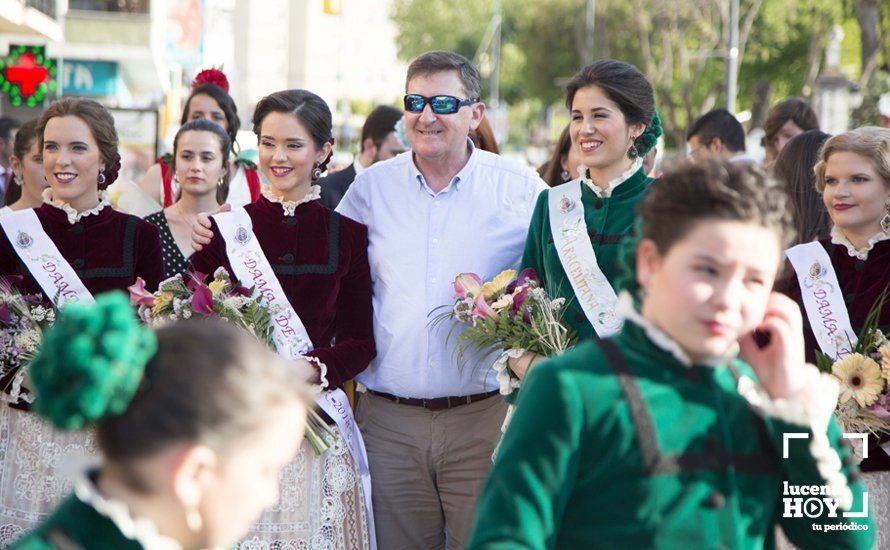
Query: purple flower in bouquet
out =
(881, 408)
(195, 280)
(202, 300)
(519, 300)
(5, 314)
(526, 277)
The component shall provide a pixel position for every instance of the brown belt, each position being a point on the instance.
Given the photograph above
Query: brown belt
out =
(437, 403)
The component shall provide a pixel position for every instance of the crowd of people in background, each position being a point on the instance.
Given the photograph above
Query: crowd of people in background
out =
(663, 427)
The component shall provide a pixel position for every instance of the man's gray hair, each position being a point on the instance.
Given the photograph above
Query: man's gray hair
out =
(439, 61)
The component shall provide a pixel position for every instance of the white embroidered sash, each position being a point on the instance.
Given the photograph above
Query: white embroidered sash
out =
(822, 299)
(44, 261)
(292, 341)
(592, 289)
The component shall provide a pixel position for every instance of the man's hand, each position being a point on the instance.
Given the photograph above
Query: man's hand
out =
(201, 233)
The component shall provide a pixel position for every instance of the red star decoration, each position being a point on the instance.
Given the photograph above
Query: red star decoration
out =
(27, 74)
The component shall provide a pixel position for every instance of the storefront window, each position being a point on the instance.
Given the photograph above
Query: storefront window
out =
(123, 6)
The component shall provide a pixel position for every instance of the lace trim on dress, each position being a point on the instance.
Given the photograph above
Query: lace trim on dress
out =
(73, 215)
(322, 373)
(142, 530)
(812, 407)
(289, 207)
(625, 309)
(607, 192)
(838, 238)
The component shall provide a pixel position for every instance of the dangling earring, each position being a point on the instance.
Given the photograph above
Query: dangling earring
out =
(885, 221)
(222, 180)
(193, 519)
(316, 170)
(19, 179)
(632, 152)
(565, 175)
(101, 179)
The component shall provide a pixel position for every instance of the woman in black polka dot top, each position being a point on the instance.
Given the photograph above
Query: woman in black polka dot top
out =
(201, 164)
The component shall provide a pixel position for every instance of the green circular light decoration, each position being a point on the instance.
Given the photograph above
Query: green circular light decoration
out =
(26, 75)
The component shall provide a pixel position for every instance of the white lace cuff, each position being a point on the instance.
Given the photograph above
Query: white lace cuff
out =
(502, 368)
(812, 407)
(322, 373)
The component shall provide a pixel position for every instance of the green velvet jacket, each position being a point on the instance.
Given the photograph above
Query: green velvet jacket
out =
(609, 221)
(76, 525)
(619, 444)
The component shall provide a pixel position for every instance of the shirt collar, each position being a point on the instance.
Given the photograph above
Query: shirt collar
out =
(357, 166)
(838, 238)
(607, 192)
(73, 215)
(142, 530)
(457, 180)
(626, 310)
(290, 207)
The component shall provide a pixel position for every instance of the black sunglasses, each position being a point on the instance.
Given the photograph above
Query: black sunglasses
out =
(440, 104)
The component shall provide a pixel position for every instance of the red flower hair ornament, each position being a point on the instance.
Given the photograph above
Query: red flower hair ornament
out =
(212, 76)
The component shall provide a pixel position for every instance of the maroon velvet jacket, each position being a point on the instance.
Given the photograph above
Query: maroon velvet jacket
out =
(862, 283)
(321, 260)
(107, 250)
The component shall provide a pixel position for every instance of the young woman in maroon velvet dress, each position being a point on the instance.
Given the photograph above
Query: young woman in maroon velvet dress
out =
(320, 259)
(853, 176)
(106, 250)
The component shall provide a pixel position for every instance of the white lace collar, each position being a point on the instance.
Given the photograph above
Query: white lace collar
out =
(838, 238)
(607, 192)
(626, 310)
(73, 215)
(289, 207)
(141, 530)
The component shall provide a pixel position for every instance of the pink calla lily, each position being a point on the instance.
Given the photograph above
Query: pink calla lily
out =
(482, 309)
(195, 280)
(139, 296)
(467, 284)
(202, 301)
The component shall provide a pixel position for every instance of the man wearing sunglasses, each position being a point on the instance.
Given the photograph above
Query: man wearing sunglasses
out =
(430, 423)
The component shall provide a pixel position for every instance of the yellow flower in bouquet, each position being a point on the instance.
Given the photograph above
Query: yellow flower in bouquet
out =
(861, 379)
(217, 286)
(161, 302)
(498, 284)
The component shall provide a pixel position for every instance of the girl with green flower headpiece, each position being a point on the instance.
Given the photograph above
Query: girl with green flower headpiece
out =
(578, 226)
(699, 424)
(195, 423)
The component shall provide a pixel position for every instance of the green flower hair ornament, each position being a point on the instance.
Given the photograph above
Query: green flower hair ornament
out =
(91, 362)
(650, 135)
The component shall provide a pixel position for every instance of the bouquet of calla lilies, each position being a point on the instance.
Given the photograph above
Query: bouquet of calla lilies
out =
(178, 298)
(509, 313)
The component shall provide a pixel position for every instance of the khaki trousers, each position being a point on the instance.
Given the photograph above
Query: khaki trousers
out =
(427, 469)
